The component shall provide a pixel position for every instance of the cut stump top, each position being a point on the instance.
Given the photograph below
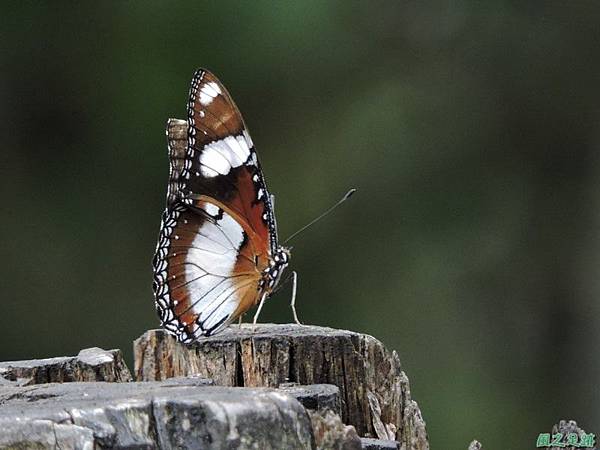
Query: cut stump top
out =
(375, 392)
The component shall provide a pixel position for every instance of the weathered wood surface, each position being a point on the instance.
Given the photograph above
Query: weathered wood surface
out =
(92, 364)
(35, 413)
(173, 414)
(374, 390)
(379, 444)
(317, 397)
(330, 432)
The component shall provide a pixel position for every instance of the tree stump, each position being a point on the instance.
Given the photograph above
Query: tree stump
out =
(91, 364)
(375, 393)
(173, 414)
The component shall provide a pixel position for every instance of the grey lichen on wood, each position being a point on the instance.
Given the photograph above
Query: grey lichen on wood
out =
(92, 364)
(374, 390)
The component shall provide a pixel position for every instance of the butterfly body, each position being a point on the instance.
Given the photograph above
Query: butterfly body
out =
(217, 253)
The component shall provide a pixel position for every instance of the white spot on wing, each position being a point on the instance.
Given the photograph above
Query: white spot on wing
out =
(208, 172)
(219, 157)
(214, 161)
(210, 262)
(253, 159)
(208, 92)
(211, 209)
(222, 306)
(239, 146)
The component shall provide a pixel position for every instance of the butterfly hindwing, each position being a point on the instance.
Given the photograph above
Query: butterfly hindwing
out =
(207, 269)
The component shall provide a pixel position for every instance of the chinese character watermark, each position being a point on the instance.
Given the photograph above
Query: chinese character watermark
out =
(586, 440)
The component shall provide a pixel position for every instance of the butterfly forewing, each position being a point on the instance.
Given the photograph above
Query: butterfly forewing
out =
(218, 231)
(221, 159)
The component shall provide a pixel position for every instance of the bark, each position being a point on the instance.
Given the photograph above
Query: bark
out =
(92, 364)
(375, 392)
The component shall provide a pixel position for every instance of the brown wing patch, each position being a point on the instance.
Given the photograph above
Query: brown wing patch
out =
(182, 239)
(211, 110)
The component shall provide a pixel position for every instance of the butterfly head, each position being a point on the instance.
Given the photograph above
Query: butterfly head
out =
(277, 264)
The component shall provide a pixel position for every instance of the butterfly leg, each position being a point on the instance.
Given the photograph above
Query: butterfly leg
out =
(240, 321)
(293, 302)
(262, 302)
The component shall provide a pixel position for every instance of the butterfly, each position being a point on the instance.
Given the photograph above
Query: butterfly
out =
(217, 254)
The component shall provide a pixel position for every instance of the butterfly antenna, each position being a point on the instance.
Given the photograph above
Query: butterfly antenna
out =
(312, 222)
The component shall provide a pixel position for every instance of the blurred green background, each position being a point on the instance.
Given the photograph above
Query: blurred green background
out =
(470, 129)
